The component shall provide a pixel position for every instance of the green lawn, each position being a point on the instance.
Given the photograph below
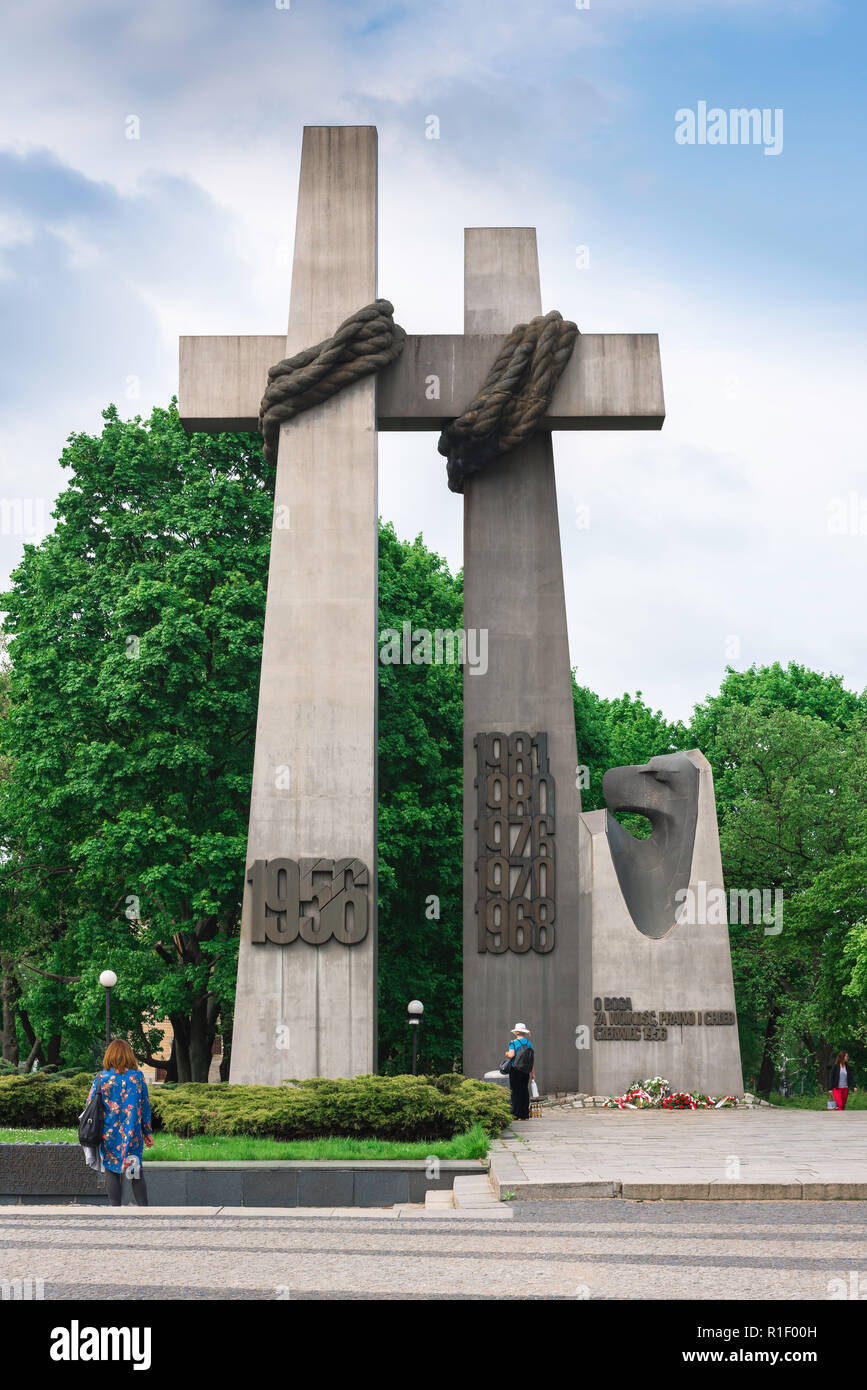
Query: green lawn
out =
(820, 1102)
(169, 1147)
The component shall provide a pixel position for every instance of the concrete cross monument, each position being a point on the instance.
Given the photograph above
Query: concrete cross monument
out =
(307, 966)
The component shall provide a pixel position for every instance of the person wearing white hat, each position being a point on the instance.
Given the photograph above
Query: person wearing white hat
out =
(520, 1059)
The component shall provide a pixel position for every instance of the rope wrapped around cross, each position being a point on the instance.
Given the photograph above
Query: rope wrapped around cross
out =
(509, 407)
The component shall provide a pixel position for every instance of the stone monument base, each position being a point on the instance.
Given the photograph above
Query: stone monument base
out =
(662, 1005)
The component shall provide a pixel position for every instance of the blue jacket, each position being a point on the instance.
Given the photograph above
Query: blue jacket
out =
(126, 1116)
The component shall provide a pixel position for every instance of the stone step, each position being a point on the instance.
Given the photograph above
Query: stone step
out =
(474, 1193)
(442, 1200)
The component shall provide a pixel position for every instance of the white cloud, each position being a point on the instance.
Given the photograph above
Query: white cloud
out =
(705, 531)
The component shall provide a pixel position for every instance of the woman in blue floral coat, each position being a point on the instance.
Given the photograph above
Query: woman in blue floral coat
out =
(126, 1111)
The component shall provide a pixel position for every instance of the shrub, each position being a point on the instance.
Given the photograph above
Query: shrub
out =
(448, 1082)
(383, 1107)
(34, 1101)
(373, 1107)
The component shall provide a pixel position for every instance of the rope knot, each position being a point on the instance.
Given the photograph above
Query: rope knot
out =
(364, 343)
(514, 398)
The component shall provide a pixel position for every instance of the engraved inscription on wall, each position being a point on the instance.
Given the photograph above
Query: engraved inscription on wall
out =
(516, 868)
(615, 1020)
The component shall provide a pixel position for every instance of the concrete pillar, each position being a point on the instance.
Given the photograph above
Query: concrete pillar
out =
(302, 1009)
(513, 587)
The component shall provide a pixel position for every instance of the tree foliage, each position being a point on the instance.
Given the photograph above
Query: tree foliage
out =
(420, 812)
(788, 747)
(135, 636)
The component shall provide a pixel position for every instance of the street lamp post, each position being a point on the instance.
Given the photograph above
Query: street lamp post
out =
(108, 979)
(414, 1009)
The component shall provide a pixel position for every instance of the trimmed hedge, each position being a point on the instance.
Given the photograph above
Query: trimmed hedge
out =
(33, 1101)
(373, 1107)
(384, 1107)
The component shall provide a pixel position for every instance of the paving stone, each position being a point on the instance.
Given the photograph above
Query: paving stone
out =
(474, 1193)
(558, 1191)
(444, 1200)
(637, 1250)
(778, 1150)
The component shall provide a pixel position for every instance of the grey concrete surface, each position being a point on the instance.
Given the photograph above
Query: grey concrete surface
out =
(652, 872)
(46, 1173)
(716, 1154)
(563, 1250)
(612, 381)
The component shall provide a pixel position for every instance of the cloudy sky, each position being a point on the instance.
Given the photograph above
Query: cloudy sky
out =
(738, 533)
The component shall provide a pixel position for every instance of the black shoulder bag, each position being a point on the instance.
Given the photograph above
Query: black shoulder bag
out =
(90, 1121)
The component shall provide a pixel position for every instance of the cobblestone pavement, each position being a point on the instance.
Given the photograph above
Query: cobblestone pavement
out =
(720, 1149)
(563, 1250)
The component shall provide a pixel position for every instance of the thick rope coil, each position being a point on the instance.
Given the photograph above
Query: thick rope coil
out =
(364, 343)
(514, 399)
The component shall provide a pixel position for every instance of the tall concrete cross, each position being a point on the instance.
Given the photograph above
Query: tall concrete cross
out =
(306, 995)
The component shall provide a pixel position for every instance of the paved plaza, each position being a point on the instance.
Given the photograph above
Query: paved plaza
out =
(698, 1154)
(562, 1250)
(578, 1247)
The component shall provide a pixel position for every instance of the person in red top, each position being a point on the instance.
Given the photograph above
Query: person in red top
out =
(842, 1080)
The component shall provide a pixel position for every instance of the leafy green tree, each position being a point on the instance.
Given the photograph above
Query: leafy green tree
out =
(135, 634)
(420, 813)
(792, 687)
(787, 748)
